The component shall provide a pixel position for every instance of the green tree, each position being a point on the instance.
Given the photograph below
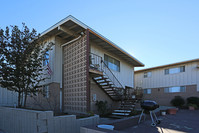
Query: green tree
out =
(21, 55)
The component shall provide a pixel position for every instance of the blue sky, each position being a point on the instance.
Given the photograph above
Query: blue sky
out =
(156, 32)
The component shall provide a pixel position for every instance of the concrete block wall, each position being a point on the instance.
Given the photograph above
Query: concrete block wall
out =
(94, 120)
(14, 120)
(18, 120)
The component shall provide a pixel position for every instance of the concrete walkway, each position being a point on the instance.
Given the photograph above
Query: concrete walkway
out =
(185, 121)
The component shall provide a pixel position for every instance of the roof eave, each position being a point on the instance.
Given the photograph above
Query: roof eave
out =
(70, 17)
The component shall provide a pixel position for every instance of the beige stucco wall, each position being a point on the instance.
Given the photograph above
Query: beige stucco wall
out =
(126, 74)
(159, 79)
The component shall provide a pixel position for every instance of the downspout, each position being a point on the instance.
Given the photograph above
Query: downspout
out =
(61, 85)
(71, 41)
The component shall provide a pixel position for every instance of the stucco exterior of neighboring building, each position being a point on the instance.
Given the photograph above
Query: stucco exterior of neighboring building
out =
(78, 59)
(163, 83)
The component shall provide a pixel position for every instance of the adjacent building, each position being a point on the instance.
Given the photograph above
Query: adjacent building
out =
(163, 83)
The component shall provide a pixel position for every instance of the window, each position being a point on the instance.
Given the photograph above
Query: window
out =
(147, 74)
(147, 91)
(46, 58)
(46, 91)
(182, 69)
(112, 63)
(175, 89)
(174, 70)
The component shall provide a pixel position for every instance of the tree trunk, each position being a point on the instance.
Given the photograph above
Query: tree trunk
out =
(19, 99)
(25, 99)
(22, 98)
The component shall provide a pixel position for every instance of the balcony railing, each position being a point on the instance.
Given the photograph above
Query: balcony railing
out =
(95, 62)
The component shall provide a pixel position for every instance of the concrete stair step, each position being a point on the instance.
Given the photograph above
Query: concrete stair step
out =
(116, 116)
(108, 89)
(110, 92)
(98, 78)
(100, 81)
(123, 111)
(121, 114)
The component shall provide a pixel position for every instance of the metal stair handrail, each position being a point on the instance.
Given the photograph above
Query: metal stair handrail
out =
(110, 74)
(97, 63)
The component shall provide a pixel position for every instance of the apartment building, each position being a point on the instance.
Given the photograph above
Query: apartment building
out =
(86, 67)
(163, 83)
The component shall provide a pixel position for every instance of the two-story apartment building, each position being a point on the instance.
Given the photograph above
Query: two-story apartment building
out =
(163, 83)
(86, 67)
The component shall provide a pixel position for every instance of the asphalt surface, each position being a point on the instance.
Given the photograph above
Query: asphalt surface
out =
(1, 131)
(185, 121)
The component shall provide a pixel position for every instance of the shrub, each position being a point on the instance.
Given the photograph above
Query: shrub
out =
(193, 100)
(178, 101)
(193, 105)
(102, 108)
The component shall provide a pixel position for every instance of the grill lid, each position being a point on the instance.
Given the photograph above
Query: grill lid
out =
(149, 105)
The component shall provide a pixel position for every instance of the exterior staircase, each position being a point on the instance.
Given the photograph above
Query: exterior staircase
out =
(108, 87)
(107, 80)
(112, 87)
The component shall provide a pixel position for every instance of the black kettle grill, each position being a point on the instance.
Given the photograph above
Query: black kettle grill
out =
(149, 107)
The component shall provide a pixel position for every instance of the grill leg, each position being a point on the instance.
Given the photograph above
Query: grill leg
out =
(153, 123)
(141, 116)
(156, 119)
(155, 116)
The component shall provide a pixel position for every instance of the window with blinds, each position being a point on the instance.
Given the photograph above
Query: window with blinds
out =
(175, 89)
(174, 70)
(112, 63)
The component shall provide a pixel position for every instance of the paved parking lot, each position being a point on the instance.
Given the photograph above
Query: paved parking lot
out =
(185, 121)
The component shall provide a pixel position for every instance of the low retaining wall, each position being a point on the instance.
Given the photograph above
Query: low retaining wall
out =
(14, 120)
